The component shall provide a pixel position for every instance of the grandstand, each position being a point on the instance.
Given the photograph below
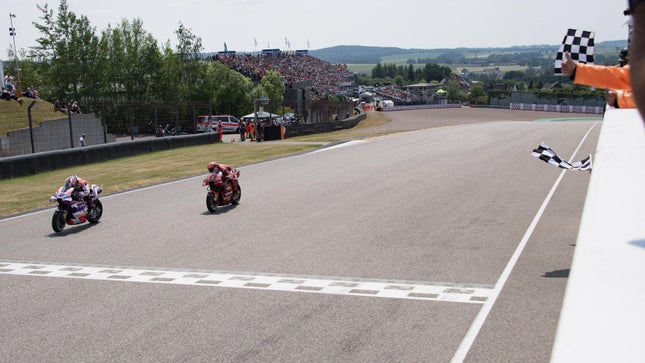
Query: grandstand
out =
(326, 79)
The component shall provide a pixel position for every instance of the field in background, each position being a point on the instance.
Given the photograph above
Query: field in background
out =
(431, 55)
(366, 69)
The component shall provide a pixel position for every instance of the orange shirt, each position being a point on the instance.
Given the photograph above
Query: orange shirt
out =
(611, 77)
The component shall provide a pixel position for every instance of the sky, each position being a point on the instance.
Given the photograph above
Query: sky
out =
(252, 25)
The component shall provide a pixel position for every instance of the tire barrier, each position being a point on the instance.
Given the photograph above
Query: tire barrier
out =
(321, 127)
(22, 165)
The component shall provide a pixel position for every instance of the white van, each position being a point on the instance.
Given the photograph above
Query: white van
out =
(230, 124)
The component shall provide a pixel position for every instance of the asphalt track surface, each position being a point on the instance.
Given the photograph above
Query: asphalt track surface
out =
(447, 241)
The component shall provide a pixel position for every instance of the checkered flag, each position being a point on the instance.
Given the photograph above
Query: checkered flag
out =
(545, 153)
(580, 44)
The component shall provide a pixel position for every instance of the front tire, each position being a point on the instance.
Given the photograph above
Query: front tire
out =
(211, 203)
(95, 213)
(58, 221)
(235, 200)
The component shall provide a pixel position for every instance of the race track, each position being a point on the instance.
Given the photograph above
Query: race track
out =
(445, 241)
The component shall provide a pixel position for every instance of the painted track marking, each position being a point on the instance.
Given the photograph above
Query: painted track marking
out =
(411, 290)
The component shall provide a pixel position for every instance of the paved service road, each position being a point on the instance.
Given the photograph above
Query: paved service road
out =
(424, 246)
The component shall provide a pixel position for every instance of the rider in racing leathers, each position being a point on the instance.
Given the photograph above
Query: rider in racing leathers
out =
(222, 171)
(81, 188)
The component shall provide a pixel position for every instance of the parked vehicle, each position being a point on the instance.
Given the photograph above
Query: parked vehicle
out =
(71, 211)
(230, 124)
(221, 191)
(170, 131)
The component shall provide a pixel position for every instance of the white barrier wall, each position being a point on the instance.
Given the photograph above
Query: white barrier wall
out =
(54, 135)
(603, 315)
(557, 108)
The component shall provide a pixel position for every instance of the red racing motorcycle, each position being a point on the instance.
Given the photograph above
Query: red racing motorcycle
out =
(222, 190)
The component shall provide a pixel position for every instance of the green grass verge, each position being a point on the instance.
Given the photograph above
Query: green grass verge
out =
(33, 192)
(14, 116)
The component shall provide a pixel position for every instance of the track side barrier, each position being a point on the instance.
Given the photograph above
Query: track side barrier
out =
(16, 166)
(603, 314)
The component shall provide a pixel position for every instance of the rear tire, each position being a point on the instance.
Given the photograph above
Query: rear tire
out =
(95, 213)
(58, 221)
(211, 203)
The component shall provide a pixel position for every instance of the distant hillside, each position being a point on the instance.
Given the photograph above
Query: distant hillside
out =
(354, 54)
(357, 54)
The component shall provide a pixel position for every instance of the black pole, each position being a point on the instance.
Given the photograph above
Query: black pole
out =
(69, 117)
(31, 129)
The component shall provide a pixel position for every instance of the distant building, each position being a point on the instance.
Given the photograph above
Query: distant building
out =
(425, 91)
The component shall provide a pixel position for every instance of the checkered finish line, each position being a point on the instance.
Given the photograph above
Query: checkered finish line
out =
(580, 44)
(478, 294)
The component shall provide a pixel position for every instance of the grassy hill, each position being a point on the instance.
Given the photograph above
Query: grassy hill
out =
(14, 116)
(358, 54)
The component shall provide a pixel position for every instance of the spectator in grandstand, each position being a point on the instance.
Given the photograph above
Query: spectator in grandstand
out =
(325, 77)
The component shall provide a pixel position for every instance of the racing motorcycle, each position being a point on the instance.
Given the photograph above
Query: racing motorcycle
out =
(70, 211)
(222, 192)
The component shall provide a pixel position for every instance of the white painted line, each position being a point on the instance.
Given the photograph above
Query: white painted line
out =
(472, 333)
(338, 146)
(475, 294)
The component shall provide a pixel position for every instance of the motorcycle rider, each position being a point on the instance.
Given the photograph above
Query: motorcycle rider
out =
(81, 188)
(222, 171)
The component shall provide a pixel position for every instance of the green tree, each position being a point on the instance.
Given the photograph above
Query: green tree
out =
(514, 76)
(398, 80)
(71, 48)
(230, 91)
(30, 75)
(435, 72)
(477, 94)
(378, 72)
(410, 76)
(135, 62)
(170, 76)
(453, 92)
(193, 69)
(274, 88)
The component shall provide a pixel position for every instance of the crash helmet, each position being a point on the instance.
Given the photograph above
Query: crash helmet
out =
(71, 182)
(211, 166)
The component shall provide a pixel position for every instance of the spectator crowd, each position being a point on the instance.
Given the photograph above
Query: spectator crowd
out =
(398, 95)
(326, 78)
